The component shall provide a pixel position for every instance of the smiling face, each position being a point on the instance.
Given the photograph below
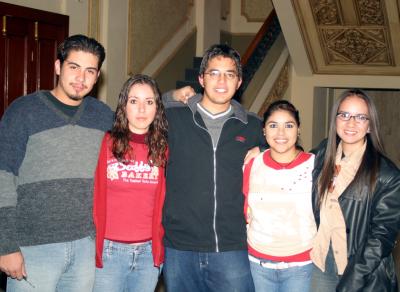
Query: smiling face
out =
(281, 133)
(141, 108)
(77, 76)
(352, 132)
(219, 90)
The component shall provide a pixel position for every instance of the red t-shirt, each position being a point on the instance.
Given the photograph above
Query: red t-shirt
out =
(131, 192)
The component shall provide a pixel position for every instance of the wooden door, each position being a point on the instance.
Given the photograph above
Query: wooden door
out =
(28, 48)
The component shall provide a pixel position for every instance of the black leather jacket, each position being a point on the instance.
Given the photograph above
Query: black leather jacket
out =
(372, 224)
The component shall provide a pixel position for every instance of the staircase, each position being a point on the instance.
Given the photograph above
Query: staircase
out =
(251, 59)
(192, 76)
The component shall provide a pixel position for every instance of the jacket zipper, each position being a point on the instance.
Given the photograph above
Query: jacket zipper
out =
(214, 176)
(215, 194)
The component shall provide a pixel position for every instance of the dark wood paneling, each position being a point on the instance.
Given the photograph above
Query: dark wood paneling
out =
(49, 36)
(14, 55)
(28, 48)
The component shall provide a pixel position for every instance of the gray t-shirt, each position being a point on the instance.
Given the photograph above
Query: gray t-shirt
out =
(214, 123)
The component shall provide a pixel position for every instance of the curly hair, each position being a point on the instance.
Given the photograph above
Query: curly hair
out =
(156, 138)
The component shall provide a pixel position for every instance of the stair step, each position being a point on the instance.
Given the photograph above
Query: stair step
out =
(197, 62)
(194, 84)
(191, 74)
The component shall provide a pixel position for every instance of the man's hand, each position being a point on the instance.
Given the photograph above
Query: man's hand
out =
(183, 94)
(13, 265)
(253, 152)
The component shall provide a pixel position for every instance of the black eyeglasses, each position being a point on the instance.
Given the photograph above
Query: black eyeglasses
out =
(216, 74)
(345, 116)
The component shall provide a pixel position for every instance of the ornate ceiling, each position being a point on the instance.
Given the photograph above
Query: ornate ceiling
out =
(351, 36)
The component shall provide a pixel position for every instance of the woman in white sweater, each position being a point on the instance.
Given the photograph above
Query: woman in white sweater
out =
(278, 185)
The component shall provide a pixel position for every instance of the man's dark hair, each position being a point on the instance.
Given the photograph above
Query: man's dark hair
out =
(83, 43)
(221, 50)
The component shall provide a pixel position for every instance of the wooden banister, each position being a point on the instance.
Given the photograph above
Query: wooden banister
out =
(260, 34)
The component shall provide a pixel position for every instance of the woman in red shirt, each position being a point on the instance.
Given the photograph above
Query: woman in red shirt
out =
(129, 191)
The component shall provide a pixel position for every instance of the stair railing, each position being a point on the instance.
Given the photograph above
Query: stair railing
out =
(258, 49)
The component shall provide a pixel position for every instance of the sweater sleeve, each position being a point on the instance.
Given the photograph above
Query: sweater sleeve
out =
(100, 200)
(168, 100)
(246, 186)
(13, 140)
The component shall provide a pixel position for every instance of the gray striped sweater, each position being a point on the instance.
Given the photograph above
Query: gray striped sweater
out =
(47, 164)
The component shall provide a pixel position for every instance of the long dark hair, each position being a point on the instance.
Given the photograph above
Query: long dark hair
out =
(156, 139)
(284, 105)
(368, 170)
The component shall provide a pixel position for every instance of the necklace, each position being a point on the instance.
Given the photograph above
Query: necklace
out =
(286, 164)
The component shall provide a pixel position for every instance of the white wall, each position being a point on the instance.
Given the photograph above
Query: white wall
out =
(208, 24)
(113, 35)
(238, 24)
(301, 92)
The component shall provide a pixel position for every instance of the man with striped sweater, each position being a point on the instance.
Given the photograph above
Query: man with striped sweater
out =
(49, 143)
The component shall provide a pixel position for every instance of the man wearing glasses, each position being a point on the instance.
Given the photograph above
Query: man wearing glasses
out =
(205, 229)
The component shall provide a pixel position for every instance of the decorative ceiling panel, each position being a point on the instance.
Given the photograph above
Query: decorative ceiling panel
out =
(370, 12)
(356, 46)
(326, 12)
(351, 36)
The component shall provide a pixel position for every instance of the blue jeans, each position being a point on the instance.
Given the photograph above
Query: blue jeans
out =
(293, 279)
(207, 271)
(328, 280)
(126, 268)
(65, 267)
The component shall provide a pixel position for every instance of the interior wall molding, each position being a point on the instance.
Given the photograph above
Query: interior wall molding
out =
(94, 19)
(155, 38)
(278, 90)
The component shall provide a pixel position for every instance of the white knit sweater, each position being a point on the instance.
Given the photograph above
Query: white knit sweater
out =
(280, 217)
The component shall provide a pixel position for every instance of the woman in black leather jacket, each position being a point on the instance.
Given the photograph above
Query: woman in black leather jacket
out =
(356, 200)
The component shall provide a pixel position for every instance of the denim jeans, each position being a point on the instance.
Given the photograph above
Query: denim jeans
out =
(207, 271)
(65, 267)
(293, 279)
(328, 280)
(126, 268)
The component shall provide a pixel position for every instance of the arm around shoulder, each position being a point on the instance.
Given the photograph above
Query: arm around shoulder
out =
(178, 97)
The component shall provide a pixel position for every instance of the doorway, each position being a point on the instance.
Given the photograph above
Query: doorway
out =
(28, 49)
